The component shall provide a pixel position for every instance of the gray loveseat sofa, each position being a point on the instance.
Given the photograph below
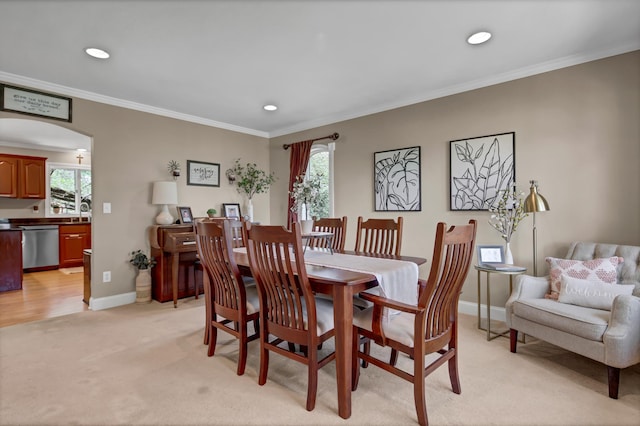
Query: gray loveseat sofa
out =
(610, 337)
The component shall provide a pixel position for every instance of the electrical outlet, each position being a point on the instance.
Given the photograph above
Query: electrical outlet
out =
(106, 277)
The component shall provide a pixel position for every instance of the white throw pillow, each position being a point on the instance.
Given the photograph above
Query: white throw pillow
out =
(590, 294)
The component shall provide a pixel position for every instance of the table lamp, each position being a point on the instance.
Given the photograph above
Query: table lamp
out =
(532, 204)
(164, 193)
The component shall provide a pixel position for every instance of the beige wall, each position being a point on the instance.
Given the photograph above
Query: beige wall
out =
(577, 132)
(131, 149)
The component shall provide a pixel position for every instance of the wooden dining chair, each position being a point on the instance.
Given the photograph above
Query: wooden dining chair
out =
(379, 236)
(289, 312)
(431, 326)
(230, 304)
(337, 226)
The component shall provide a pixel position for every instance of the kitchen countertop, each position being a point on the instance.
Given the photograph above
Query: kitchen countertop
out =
(48, 221)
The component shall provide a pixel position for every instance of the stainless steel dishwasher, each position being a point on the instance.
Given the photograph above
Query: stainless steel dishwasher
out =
(40, 246)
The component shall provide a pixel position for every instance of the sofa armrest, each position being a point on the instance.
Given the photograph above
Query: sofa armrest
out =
(622, 337)
(527, 287)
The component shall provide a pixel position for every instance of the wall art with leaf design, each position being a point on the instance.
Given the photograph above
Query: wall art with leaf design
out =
(480, 168)
(397, 180)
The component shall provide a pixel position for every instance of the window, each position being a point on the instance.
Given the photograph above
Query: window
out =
(68, 189)
(321, 162)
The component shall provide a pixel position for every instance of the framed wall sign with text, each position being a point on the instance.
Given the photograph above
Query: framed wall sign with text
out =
(31, 102)
(203, 174)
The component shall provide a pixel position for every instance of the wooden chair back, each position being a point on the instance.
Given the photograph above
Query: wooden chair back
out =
(433, 322)
(379, 236)
(225, 291)
(287, 303)
(337, 226)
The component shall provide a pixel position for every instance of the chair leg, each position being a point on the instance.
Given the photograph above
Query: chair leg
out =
(213, 337)
(418, 389)
(242, 355)
(393, 359)
(355, 365)
(366, 350)
(264, 364)
(453, 374)
(513, 339)
(614, 381)
(312, 385)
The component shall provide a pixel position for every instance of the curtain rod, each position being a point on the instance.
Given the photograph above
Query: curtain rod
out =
(332, 137)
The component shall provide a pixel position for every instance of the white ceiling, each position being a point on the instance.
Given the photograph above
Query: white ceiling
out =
(219, 62)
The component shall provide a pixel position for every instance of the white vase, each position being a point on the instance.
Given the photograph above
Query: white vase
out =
(508, 256)
(250, 210)
(306, 226)
(143, 286)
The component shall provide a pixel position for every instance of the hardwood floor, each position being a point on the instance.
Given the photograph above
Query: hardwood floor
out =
(45, 294)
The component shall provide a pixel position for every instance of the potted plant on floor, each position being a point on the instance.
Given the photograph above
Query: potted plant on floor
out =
(143, 280)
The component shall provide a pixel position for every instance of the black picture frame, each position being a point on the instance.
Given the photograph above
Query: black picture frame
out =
(397, 180)
(200, 173)
(35, 103)
(479, 169)
(231, 210)
(185, 215)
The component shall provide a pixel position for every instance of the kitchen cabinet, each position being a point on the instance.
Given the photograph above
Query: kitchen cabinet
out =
(22, 176)
(74, 239)
(11, 259)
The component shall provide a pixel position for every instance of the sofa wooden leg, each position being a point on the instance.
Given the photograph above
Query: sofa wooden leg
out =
(614, 381)
(513, 339)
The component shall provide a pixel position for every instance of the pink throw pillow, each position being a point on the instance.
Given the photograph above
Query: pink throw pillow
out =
(601, 270)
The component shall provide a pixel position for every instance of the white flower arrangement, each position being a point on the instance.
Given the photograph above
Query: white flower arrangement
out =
(508, 213)
(305, 192)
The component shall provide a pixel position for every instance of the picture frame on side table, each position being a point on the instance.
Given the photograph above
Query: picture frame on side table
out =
(480, 168)
(200, 173)
(231, 210)
(396, 180)
(185, 215)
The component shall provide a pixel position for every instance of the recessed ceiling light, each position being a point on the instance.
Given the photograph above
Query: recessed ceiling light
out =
(270, 107)
(81, 150)
(97, 53)
(479, 37)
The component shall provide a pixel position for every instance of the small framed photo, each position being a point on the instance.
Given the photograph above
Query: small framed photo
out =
(231, 210)
(185, 215)
(203, 174)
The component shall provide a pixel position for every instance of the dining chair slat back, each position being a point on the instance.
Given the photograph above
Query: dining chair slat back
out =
(431, 326)
(337, 226)
(230, 305)
(379, 236)
(289, 310)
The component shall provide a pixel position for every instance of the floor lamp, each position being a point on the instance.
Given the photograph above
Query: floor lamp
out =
(532, 204)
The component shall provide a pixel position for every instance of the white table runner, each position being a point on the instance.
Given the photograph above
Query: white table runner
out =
(397, 279)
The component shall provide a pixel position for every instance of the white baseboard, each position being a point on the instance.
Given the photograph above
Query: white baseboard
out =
(99, 303)
(471, 308)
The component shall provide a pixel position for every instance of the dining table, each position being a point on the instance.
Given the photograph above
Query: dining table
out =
(341, 284)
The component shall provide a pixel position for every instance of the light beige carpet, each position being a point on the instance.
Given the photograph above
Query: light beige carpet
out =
(146, 365)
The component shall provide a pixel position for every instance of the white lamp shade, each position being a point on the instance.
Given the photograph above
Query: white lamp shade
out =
(165, 193)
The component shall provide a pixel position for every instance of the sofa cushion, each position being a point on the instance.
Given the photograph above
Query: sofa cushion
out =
(588, 323)
(600, 270)
(590, 294)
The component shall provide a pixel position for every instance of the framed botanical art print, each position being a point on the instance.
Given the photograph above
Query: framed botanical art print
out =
(480, 168)
(396, 180)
